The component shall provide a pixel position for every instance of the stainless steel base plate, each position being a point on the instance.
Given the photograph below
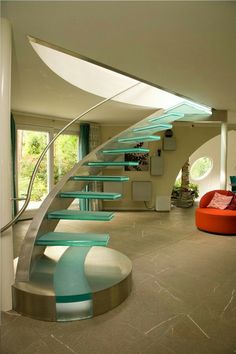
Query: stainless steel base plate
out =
(108, 273)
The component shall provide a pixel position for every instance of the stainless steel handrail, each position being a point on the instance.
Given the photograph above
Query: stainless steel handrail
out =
(36, 167)
(18, 198)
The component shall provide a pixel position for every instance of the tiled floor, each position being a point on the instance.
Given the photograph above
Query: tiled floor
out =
(183, 299)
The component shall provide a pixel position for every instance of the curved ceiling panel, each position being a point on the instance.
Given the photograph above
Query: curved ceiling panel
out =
(102, 81)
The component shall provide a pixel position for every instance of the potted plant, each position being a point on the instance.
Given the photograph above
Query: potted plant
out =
(184, 192)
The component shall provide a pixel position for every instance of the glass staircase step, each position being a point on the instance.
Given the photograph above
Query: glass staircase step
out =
(72, 239)
(90, 195)
(125, 151)
(191, 111)
(81, 215)
(137, 139)
(154, 128)
(167, 118)
(111, 163)
(100, 178)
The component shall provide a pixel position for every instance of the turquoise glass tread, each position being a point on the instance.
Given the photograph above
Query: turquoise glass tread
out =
(125, 151)
(111, 163)
(153, 127)
(167, 118)
(100, 178)
(139, 139)
(72, 239)
(190, 110)
(81, 215)
(90, 195)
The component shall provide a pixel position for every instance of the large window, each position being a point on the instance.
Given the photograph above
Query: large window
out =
(63, 156)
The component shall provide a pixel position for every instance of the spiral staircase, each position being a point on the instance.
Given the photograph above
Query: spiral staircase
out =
(64, 276)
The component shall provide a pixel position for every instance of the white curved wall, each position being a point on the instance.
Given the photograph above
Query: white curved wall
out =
(188, 140)
(212, 149)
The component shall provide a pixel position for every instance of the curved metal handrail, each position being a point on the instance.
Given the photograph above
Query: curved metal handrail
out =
(41, 224)
(36, 167)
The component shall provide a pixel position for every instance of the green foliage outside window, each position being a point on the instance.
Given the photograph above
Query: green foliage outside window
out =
(65, 155)
(30, 146)
(201, 168)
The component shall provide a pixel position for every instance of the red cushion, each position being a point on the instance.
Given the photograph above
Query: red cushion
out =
(206, 198)
(232, 205)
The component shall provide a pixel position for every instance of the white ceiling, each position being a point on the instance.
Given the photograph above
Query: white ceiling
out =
(186, 47)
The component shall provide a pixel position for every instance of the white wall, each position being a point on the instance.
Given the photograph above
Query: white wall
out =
(6, 238)
(212, 149)
(188, 139)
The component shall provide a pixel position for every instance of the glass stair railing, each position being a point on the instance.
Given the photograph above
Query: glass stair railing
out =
(72, 239)
(90, 195)
(68, 214)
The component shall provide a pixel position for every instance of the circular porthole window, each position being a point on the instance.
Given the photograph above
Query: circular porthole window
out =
(201, 168)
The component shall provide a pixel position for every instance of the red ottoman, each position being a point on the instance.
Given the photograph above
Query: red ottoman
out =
(215, 220)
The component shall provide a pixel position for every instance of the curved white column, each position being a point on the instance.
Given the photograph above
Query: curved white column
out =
(223, 156)
(6, 241)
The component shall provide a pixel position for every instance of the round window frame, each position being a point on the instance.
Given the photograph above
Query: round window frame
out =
(206, 173)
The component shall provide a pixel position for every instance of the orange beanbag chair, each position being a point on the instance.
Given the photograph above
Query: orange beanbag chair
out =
(216, 221)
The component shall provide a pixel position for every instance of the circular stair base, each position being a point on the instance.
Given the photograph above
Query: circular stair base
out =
(107, 271)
